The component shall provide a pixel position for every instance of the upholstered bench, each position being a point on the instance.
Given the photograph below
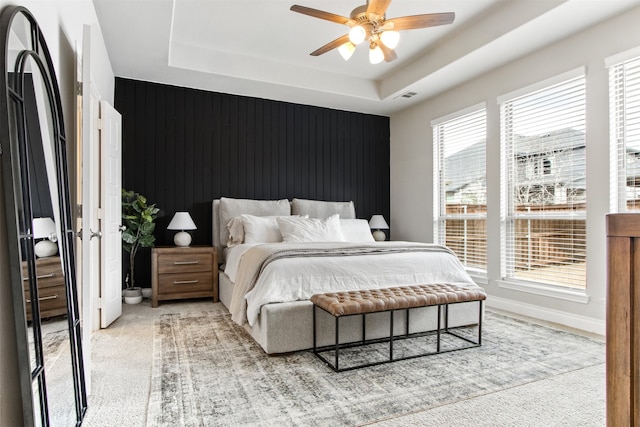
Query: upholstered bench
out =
(363, 302)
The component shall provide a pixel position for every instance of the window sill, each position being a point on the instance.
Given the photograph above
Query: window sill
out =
(545, 290)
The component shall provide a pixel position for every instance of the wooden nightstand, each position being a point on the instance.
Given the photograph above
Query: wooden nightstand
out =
(51, 290)
(184, 272)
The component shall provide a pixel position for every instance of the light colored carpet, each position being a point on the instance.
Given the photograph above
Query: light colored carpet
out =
(58, 370)
(219, 377)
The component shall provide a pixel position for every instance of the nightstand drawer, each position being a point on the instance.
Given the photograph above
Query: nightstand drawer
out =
(48, 272)
(53, 301)
(184, 282)
(184, 263)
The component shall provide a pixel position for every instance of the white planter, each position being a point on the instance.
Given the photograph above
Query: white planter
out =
(147, 292)
(132, 295)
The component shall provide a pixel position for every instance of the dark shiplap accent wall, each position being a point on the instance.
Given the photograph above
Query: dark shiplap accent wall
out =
(184, 147)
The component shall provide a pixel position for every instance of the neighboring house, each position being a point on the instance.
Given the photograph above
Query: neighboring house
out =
(551, 168)
(466, 185)
(548, 170)
(551, 175)
(632, 166)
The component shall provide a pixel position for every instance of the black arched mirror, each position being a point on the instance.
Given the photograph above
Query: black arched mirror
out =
(39, 227)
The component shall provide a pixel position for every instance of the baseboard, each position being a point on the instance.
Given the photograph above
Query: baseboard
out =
(588, 324)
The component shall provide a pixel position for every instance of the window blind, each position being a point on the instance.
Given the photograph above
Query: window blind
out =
(544, 198)
(624, 95)
(460, 150)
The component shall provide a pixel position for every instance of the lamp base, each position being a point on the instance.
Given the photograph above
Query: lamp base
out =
(182, 238)
(45, 248)
(379, 236)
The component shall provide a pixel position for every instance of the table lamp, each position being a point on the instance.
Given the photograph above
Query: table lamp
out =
(378, 223)
(182, 221)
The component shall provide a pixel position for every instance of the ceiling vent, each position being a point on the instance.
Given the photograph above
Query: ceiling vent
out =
(408, 95)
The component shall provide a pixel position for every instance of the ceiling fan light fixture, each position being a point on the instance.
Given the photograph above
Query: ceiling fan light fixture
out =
(346, 50)
(357, 34)
(376, 55)
(390, 39)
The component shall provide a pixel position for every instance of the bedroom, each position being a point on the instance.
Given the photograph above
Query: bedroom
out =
(409, 157)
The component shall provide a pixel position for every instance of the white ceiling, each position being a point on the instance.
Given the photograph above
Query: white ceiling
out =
(261, 48)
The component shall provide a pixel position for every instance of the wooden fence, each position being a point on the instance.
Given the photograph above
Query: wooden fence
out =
(538, 242)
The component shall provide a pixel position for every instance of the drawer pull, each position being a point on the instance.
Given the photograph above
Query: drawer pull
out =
(45, 298)
(185, 262)
(44, 276)
(184, 282)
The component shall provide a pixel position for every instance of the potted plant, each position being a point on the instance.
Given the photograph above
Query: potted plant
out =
(138, 218)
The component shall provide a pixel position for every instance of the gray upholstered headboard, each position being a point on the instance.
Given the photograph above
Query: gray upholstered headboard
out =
(226, 208)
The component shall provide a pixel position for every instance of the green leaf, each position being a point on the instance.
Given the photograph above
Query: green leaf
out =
(129, 238)
(147, 241)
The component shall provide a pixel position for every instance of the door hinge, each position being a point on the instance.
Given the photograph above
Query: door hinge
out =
(100, 303)
(99, 123)
(78, 88)
(99, 213)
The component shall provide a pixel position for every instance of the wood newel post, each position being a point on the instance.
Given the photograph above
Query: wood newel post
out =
(623, 320)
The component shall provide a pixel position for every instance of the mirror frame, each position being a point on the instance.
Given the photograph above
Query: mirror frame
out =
(18, 215)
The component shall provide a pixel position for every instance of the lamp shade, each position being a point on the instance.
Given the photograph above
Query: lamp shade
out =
(182, 221)
(357, 34)
(346, 50)
(376, 55)
(377, 222)
(44, 228)
(390, 39)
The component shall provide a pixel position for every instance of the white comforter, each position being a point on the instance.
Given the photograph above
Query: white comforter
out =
(297, 278)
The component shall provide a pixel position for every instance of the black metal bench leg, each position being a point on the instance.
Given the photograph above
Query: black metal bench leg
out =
(406, 331)
(438, 329)
(480, 322)
(315, 308)
(446, 317)
(337, 340)
(391, 335)
(364, 328)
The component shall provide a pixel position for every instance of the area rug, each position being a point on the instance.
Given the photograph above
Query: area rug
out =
(209, 371)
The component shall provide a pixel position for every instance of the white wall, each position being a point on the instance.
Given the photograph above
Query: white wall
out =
(412, 162)
(62, 24)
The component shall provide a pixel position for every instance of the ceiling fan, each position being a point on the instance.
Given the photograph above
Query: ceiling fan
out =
(369, 23)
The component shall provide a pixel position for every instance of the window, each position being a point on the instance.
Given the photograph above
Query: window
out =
(544, 193)
(624, 95)
(461, 185)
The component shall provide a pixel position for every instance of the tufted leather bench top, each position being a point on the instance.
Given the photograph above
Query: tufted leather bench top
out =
(375, 300)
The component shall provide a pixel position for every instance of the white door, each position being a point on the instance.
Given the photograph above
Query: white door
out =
(90, 184)
(102, 295)
(111, 210)
(91, 203)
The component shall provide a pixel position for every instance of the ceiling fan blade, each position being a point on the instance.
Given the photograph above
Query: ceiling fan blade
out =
(389, 54)
(420, 21)
(322, 15)
(378, 7)
(331, 45)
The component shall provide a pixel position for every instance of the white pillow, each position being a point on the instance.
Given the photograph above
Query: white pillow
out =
(230, 208)
(356, 230)
(236, 232)
(261, 229)
(296, 229)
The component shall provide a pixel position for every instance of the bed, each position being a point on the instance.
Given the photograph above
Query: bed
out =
(275, 254)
